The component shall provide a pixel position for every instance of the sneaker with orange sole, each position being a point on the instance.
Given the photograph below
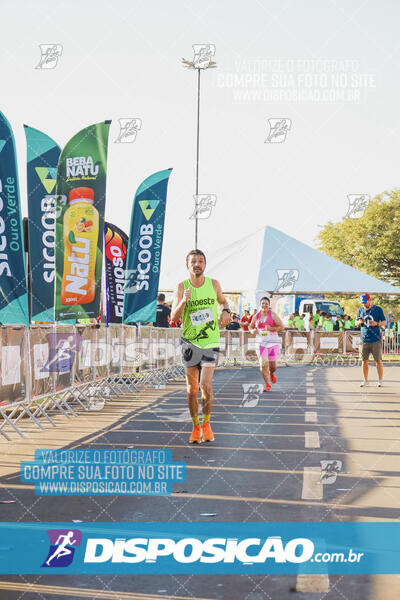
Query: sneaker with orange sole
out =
(273, 378)
(208, 435)
(267, 387)
(195, 438)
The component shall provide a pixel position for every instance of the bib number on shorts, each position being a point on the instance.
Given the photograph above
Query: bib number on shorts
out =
(202, 316)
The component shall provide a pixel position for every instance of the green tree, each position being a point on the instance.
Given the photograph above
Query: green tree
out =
(370, 244)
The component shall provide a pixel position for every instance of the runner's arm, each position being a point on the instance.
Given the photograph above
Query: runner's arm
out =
(279, 326)
(178, 303)
(225, 317)
(252, 326)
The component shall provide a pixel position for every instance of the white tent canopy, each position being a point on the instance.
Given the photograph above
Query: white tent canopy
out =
(271, 261)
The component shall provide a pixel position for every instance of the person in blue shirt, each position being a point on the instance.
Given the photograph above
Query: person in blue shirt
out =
(370, 318)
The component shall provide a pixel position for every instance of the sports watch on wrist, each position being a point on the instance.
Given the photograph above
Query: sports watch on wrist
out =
(228, 310)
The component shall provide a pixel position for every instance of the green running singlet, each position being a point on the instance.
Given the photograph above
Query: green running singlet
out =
(200, 317)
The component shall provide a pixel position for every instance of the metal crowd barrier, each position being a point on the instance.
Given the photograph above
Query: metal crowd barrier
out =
(51, 369)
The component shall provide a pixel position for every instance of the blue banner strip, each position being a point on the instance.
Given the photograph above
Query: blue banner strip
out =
(214, 548)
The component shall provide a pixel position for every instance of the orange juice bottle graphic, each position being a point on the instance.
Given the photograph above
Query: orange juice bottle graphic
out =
(81, 232)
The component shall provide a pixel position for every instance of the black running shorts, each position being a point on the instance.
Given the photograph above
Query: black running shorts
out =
(193, 356)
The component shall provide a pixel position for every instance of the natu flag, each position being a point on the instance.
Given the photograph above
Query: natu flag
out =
(80, 205)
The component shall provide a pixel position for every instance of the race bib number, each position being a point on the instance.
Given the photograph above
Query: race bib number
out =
(202, 316)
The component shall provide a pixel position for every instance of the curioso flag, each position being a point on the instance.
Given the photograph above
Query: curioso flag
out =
(116, 248)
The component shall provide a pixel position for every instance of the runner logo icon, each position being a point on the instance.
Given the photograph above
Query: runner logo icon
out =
(278, 129)
(62, 547)
(357, 205)
(286, 279)
(50, 53)
(128, 129)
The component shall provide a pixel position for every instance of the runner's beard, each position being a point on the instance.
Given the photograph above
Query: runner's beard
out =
(198, 272)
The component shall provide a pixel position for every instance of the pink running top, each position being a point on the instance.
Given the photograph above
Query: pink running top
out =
(261, 325)
(268, 321)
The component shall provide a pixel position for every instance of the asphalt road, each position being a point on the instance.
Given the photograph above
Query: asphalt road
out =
(263, 466)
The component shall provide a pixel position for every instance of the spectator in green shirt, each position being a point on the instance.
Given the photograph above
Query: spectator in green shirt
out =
(328, 323)
(339, 324)
(310, 322)
(290, 323)
(296, 317)
(300, 323)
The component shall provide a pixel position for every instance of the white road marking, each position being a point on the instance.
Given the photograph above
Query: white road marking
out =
(312, 583)
(311, 439)
(310, 417)
(312, 487)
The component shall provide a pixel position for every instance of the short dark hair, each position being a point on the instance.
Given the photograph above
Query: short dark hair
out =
(194, 253)
(160, 297)
(265, 298)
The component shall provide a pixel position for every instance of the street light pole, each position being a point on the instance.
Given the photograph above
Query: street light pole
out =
(196, 221)
(201, 61)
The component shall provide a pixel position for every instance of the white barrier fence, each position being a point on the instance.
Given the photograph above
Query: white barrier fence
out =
(51, 368)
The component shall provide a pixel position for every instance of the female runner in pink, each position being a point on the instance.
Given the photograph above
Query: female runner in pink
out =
(267, 324)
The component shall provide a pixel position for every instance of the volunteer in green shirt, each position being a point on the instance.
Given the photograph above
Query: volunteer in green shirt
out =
(347, 322)
(340, 324)
(328, 323)
(300, 324)
(296, 317)
(195, 302)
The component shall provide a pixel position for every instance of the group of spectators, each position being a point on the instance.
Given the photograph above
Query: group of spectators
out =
(320, 321)
(392, 324)
(163, 317)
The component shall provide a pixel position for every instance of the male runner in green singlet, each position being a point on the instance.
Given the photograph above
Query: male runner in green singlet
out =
(195, 302)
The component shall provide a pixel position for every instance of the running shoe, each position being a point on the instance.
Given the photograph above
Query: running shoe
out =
(267, 387)
(364, 383)
(208, 435)
(195, 438)
(379, 384)
(273, 378)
